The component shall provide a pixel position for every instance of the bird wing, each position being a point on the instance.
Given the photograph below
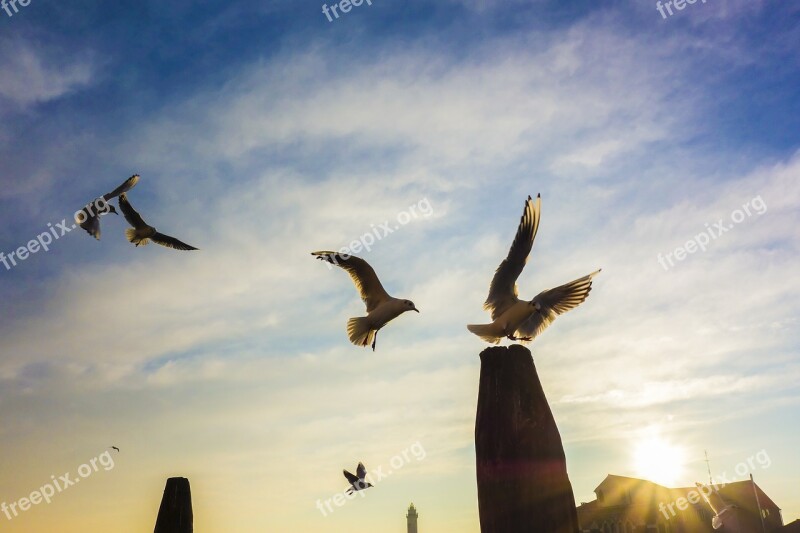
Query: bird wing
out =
(170, 242)
(554, 302)
(503, 289)
(125, 187)
(350, 477)
(133, 218)
(361, 471)
(363, 276)
(92, 226)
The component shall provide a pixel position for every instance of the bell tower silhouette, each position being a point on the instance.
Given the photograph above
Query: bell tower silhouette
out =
(412, 519)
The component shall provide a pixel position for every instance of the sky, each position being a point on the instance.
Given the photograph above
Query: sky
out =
(666, 149)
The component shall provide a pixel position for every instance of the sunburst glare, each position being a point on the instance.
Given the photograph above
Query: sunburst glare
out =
(658, 460)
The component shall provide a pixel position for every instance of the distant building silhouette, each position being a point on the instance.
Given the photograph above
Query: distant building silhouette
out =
(630, 505)
(411, 517)
(794, 527)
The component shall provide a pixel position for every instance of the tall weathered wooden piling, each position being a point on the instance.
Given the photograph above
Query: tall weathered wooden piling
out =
(521, 467)
(175, 513)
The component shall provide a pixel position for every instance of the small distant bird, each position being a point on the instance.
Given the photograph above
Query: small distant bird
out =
(381, 308)
(114, 448)
(357, 482)
(141, 233)
(88, 218)
(520, 320)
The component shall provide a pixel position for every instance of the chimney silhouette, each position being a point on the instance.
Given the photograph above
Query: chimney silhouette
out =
(175, 513)
(521, 468)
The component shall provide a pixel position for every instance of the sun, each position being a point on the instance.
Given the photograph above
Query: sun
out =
(657, 460)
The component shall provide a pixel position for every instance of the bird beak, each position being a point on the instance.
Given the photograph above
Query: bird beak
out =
(417, 310)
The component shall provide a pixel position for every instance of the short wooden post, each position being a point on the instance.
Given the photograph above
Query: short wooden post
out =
(521, 467)
(175, 513)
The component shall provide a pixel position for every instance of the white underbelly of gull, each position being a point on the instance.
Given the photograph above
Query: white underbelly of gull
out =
(522, 320)
(381, 308)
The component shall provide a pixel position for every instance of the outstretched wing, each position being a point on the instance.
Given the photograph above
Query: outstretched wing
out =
(91, 224)
(363, 276)
(125, 187)
(554, 302)
(503, 289)
(170, 242)
(350, 477)
(361, 471)
(133, 218)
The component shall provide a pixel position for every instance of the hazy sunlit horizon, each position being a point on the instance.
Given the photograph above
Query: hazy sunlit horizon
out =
(666, 151)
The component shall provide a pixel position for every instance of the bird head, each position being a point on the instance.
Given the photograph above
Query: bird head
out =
(409, 306)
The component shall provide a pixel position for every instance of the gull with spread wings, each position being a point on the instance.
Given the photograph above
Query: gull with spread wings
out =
(381, 308)
(88, 218)
(522, 320)
(141, 233)
(357, 482)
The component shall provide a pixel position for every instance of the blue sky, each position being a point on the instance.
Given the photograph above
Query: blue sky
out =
(263, 132)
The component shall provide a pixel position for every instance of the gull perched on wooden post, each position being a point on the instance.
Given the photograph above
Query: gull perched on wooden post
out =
(522, 320)
(381, 308)
(88, 218)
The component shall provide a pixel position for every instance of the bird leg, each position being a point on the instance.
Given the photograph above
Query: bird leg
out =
(523, 339)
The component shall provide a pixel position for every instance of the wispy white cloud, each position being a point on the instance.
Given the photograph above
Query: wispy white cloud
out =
(243, 343)
(30, 74)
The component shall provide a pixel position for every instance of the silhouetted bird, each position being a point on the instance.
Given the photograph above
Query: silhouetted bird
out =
(381, 308)
(114, 448)
(88, 218)
(357, 482)
(141, 233)
(520, 320)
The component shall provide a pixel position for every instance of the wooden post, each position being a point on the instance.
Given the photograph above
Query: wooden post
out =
(521, 468)
(175, 513)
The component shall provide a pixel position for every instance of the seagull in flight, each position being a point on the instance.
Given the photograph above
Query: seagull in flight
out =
(88, 218)
(141, 233)
(522, 320)
(357, 482)
(115, 448)
(381, 308)
(717, 504)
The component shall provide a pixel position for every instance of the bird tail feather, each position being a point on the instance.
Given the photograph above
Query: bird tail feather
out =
(487, 332)
(130, 234)
(360, 331)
